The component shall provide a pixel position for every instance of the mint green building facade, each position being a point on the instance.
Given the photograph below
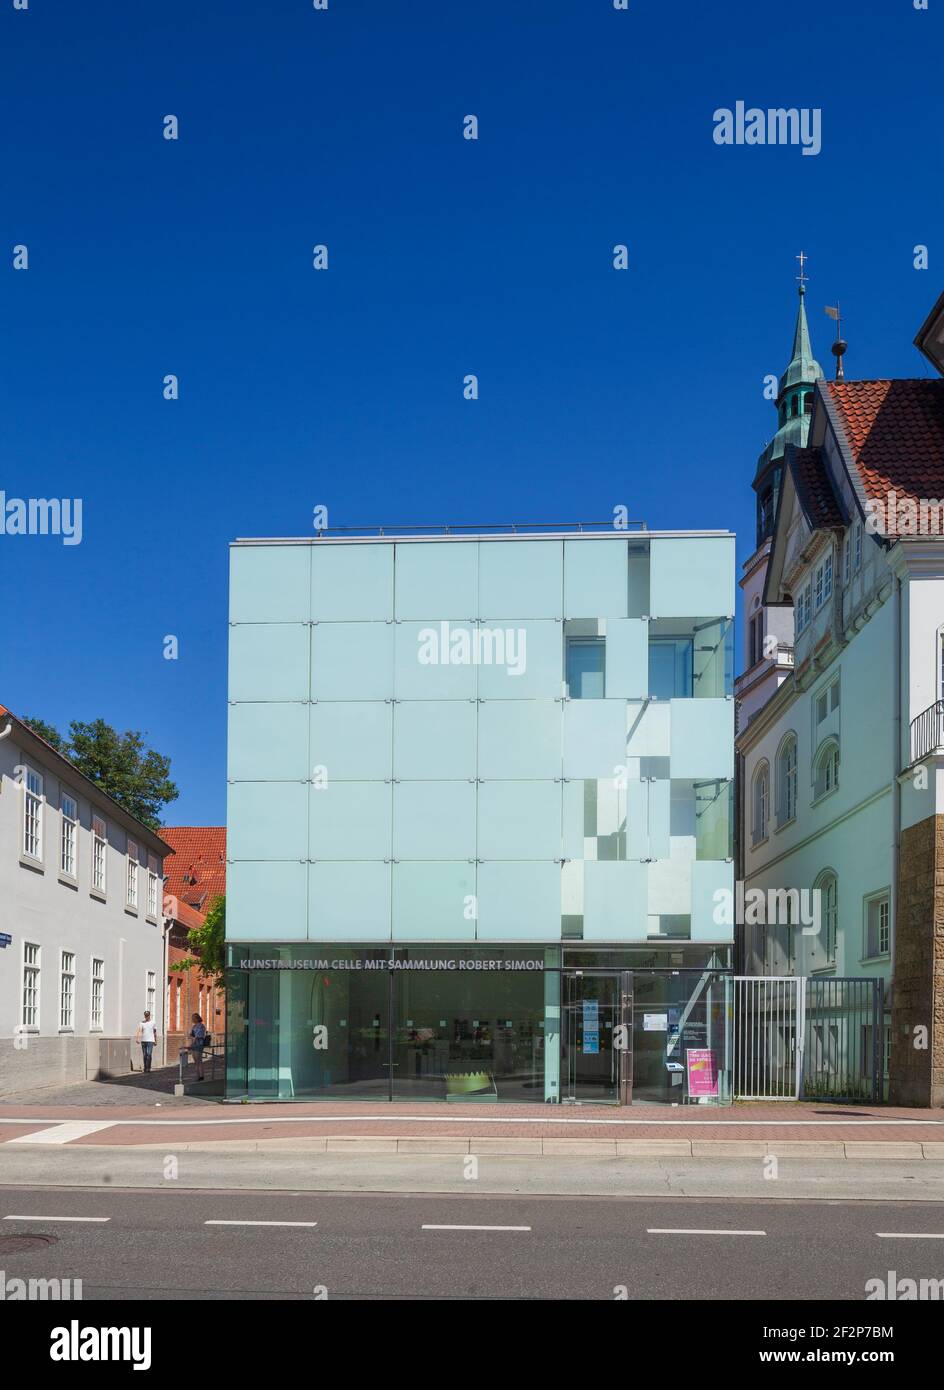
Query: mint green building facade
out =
(480, 817)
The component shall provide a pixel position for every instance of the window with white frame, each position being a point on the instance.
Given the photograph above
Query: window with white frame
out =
(68, 835)
(826, 702)
(804, 607)
(33, 814)
(827, 886)
(67, 991)
(822, 583)
(787, 780)
(856, 546)
(99, 850)
(131, 888)
(152, 900)
(877, 926)
(826, 769)
(29, 1008)
(847, 559)
(761, 802)
(98, 995)
(150, 993)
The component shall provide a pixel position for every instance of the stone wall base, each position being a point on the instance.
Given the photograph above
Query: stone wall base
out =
(916, 1065)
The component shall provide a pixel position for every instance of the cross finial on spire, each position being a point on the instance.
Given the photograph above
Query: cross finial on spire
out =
(802, 277)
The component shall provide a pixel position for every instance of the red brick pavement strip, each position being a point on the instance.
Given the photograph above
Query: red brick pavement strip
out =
(271, 1122)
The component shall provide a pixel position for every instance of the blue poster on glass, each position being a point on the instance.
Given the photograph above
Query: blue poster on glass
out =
(591, 1026)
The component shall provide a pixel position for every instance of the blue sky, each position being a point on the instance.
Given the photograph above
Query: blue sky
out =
(447, 256)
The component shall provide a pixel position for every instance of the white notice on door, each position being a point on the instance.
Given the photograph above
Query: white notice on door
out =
(655, 1023)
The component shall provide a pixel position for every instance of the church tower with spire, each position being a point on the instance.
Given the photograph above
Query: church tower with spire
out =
(768, 633)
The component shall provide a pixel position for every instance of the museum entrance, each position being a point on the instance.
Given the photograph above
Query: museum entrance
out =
(596, 1037)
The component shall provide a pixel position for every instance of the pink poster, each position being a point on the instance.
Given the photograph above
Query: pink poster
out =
(702, 1064)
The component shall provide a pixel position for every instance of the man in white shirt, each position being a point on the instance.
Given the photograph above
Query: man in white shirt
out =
(147, 1037)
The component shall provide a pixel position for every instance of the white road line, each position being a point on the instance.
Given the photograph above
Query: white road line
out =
(58, 1218)
(475, 1228)
(485, 1120)
(681, 1231)
(260, 1223)
(63, 1133)
(910, 1235)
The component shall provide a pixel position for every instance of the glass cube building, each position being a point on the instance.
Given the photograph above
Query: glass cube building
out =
(480, 817)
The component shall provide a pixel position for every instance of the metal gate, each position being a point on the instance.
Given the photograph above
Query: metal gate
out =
(768, 1014)
(807, 1038)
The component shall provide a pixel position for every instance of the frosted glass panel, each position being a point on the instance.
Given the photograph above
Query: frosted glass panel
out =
(519, 738)
(574, 819)
(637, 820)
(434, 739)
(351, 582)
(708, 878)
(702, 738)
(434, 902)
(660, 801)
(434, 820)
(352, 661)
(594, 737)
(352, 740)
(714, 805)
(627, 658)
(649, 731)
(521, 579)
(437, 579)
(519, 902)
(268, 742)
(350, 820)
(267, 820)
(269, 583)
(433, 661)
(670, 898)
(519, 820)
(689, 575)
(614, 901)
(266, 902)
(595, 578)
(268, 661)
(349, 902)
(531, 664)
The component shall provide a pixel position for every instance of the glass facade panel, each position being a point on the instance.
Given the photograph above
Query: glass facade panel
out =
(691, 574)
(352, 661)
(521, 579)
(681, 1038)
(268, 661)
(434, 901)
(519, 738)
(670, 898)
(661, 828)
(615, 901)
(627, 659)
(596, 578)
(594, 738)
(431, 663)
(702, 738)
(266, 901)
(269, 584)
(351, 583)
(352, 740)
(438, 581)
(517, 901)
(268, 742)
(638, 579)
(434, 739)
(710, 878)
(714, 819)
(533, 668)
(350, 820)
(519, 820)
(670, 668)
(713, 674)
(348, 901)
(434, 820)
(267, 820)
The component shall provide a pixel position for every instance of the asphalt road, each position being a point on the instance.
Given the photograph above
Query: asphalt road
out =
(164, 1245)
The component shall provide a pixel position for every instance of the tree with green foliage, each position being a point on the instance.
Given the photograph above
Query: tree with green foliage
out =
(207, 942)
(136, 777)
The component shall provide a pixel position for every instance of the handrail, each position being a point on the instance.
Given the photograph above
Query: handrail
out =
(927, 731)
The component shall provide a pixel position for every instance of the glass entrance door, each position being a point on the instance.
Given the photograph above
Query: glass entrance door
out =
(595, 1065)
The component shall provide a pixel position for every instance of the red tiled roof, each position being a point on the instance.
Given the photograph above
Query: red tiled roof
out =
(895, 430)
(815, 489)
(196, 873)
(182, 912)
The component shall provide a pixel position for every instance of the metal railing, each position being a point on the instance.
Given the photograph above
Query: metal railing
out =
(498, 527)
(216, 1052)
(927, 731)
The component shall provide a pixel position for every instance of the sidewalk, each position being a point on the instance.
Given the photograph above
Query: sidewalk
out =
(109, 1115)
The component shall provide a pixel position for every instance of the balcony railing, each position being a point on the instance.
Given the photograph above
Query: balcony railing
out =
(927, 731)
